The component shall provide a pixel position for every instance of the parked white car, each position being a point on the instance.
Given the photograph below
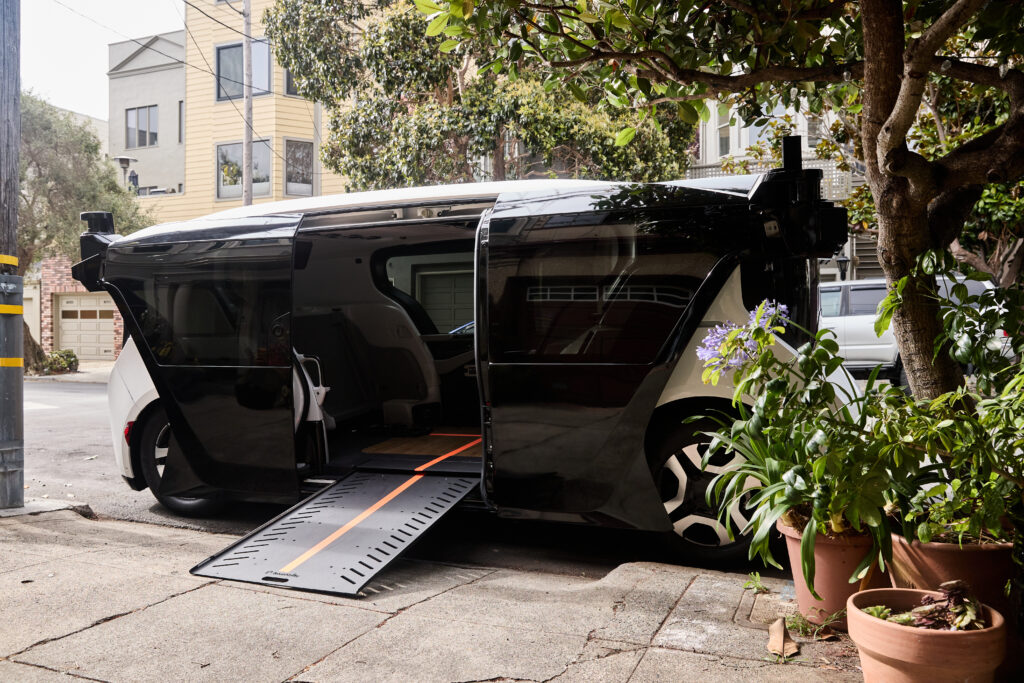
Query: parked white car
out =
(850, 308)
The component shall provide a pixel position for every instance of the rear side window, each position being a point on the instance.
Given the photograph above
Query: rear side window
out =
(865, 300)
(580, 292)
(831, 302)
(212, 303)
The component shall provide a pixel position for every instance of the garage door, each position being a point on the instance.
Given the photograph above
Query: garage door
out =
(86, 325)
(447, 297)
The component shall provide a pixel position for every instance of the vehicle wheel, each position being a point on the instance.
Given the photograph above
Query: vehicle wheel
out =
(682, 485)
(153, 443)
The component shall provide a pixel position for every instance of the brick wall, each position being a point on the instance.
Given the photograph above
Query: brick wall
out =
(55, 278)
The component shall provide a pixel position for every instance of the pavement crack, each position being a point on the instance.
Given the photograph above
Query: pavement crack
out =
(105, 619)
(58, 671)
(383, 622)
(669, 613)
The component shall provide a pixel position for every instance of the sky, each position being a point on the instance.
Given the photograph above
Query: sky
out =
(64, 55)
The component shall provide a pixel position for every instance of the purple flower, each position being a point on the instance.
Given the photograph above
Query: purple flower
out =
(774, 314)
(711, 352)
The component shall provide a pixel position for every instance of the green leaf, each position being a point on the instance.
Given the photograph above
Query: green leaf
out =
(448, 45)
(807, 554)
(439, 23)
(588, 18)
(688, 113)
(428, 6)
(625, 136)
(619, 20)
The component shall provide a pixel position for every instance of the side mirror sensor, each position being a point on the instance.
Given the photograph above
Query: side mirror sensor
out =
(101, 222)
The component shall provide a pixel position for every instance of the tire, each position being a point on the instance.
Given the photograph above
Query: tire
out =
(697, 535)
(153, 442)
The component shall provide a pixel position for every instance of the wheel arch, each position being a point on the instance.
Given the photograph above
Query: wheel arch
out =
(668, 416)
(138, 482)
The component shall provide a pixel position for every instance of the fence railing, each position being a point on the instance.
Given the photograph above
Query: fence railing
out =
(835, 184)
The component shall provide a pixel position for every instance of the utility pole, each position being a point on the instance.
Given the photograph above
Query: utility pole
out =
(247, 102)
(12, 434)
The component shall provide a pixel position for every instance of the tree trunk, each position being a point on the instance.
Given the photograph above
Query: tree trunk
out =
(498, 162)
(34, 356)
(902, 211)
(916, 323)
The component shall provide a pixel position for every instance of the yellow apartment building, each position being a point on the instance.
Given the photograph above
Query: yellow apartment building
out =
(287, 129)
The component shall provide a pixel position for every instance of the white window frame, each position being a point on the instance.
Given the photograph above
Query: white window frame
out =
(149, 111)
(216, 171)
(312, 168)
(256, 92)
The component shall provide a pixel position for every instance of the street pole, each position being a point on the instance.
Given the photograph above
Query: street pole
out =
(247, 103)
(12, 434)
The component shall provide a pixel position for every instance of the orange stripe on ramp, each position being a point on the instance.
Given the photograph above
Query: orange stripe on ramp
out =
(447, 455)
(348, 527)
(362, 516)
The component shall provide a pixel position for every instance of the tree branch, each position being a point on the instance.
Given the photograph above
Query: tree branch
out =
(948, 211)
(723, 83)
(993, 157)
(1012, 82)
(964, 255)
(917, 63)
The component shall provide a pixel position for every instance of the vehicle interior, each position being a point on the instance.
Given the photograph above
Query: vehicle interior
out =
(382, 312)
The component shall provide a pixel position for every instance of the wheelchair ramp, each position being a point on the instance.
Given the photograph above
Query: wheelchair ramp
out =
(337, 540)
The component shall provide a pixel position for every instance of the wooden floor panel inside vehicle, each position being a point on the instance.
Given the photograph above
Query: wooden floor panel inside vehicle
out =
(435, 443)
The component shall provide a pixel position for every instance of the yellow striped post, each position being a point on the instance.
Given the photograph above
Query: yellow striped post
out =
(12, 444)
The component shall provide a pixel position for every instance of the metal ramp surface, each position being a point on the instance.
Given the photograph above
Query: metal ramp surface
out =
(338, 539)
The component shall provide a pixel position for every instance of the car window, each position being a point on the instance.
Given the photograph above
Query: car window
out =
(829, 301)
(974, 287)
(864, 300)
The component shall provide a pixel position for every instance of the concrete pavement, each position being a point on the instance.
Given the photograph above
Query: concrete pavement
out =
(113, 601)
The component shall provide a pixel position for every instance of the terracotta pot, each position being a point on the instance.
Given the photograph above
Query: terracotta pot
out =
(834, 562)
(985, 568)
(892, 653)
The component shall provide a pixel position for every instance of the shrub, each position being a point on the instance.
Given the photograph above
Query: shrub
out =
(59, 362)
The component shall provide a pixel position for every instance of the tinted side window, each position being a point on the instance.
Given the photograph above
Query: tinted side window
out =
(831, 302)
(575, 292)
(865, 300)
(211, 303)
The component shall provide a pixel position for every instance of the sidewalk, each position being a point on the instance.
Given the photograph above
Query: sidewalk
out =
(90, 371)
(113, 601)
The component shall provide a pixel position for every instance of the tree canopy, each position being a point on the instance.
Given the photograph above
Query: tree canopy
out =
(62, 173)
(872, 61)
(409, 108)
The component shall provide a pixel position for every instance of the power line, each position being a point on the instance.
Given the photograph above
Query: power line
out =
(225, 25)
(209, 70)
(196, 7)
(232, 100)
(149, 47)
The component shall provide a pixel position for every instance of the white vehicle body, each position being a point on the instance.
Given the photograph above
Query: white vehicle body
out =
(849, 309)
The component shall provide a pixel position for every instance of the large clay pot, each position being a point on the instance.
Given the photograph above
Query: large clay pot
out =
(985, 568)
(892, 653)
(835, 559)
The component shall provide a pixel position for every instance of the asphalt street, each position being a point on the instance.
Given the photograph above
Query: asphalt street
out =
(69, 456)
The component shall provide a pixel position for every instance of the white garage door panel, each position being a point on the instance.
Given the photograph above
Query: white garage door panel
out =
(86, 325)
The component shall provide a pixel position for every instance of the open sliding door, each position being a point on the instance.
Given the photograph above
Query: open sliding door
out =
(212, 319)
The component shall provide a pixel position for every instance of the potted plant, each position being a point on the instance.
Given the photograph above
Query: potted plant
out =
(811, 467)
(957, 517)
(905, 635)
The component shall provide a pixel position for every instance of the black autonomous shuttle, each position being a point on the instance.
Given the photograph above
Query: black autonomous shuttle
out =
(526, 347)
